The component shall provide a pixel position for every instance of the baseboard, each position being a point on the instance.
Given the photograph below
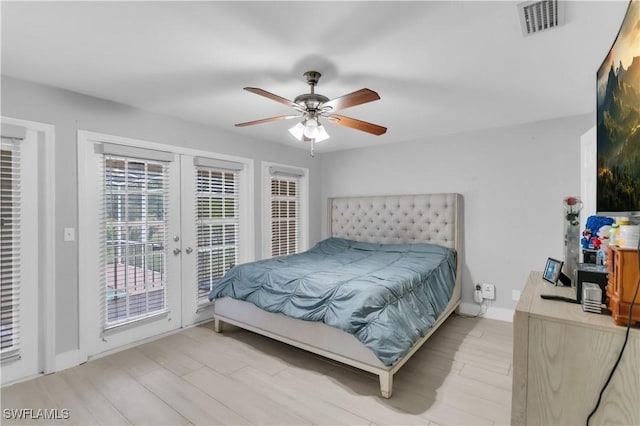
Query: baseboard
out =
(67, 360)
(500, 314)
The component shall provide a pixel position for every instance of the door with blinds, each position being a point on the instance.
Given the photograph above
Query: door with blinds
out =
(166, 228)
(213, 195)
(129, 227)
(19, 313)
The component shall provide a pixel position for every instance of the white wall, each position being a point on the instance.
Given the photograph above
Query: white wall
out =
(588, 173)
(513, 181)
(69, 112)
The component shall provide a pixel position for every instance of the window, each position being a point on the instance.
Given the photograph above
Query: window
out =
(135, 199)
(217, 221)
(287, 187)
(10, 191)
(285, 209)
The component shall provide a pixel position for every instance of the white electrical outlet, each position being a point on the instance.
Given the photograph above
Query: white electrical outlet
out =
(488, 291)
(515, 295)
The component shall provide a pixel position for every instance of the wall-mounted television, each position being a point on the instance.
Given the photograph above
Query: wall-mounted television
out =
(618, 121)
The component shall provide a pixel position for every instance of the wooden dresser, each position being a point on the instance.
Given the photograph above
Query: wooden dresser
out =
(622, 264)
(562, 357)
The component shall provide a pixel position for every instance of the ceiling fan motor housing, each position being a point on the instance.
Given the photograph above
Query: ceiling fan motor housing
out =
(311, 101)
(312, 77)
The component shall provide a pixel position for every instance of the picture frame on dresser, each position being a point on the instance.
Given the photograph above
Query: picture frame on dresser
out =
(552, 270)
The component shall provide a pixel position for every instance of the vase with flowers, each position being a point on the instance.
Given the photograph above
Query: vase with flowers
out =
(572, 207)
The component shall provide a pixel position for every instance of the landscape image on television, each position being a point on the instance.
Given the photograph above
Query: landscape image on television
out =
(618, 115)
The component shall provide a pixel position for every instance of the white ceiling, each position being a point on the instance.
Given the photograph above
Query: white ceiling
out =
(439, 67)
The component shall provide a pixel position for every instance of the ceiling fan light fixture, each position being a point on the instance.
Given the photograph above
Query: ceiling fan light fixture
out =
(322, 134)
(301, 131)
(297, 131)
(311, 128)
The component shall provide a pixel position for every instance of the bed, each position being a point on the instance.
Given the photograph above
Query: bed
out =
(362, 224)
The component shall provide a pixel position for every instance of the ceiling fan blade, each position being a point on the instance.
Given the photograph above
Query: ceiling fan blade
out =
(272, 96)
(267, 120)
(358, 97)
(357, 124)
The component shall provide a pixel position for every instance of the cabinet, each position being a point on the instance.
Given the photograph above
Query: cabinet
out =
(562, 357)
(623, 279)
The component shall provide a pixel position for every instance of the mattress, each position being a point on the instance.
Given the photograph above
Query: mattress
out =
(386, 295)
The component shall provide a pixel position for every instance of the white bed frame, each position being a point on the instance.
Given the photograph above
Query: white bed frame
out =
(433, 218)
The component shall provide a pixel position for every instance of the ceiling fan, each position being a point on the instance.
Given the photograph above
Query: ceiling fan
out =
(312, 107)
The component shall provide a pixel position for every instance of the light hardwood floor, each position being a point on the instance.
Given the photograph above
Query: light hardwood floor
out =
(461, 376)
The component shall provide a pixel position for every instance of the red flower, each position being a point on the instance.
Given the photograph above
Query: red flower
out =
(571, 201)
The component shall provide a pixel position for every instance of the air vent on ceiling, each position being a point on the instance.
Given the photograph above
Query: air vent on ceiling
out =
(538, 16)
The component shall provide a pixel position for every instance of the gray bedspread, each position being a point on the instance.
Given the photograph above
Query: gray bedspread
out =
(387, 295)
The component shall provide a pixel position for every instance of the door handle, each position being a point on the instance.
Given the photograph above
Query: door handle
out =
(176, 251)
(188, 250)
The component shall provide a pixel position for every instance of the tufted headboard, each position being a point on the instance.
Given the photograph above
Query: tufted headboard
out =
(431, 218)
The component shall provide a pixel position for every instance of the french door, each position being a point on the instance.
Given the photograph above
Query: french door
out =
(26, 249)
(159, 227)
(212, 193)
(19, 316)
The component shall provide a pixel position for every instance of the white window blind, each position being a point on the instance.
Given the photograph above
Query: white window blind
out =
(285, 213)
(135, 235)
(217, 222)
(10, 258)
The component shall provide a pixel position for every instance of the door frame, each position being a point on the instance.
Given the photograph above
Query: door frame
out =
(84, 141)
(46, 240)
